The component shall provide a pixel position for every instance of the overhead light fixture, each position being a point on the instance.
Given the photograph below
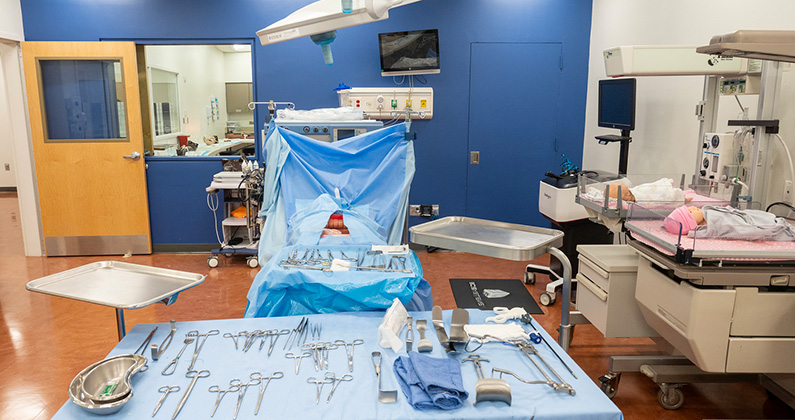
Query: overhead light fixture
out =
(241, 47)
(320, 20)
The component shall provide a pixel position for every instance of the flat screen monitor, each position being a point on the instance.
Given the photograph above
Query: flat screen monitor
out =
(617, 104)
(409, 52)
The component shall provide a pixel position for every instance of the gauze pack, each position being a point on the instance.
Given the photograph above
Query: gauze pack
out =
(395, 319)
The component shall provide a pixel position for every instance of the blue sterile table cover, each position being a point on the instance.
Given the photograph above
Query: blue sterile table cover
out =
(292, 397)
(365, 178)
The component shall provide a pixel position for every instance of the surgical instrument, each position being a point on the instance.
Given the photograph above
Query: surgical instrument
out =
(189, 337)
(145, 343)
(424, 345)
(158, 351)
(234, 386)
(165, 390)
(383, 396)
(276, 375)
(488, 389)
(320, 353)
(335, 382)
(195, 375)
(319, 385)
(198, 347)
(349, 347)
(254, 379)
(274, 335)
(409, 335)
(528, 349)
(294, 333)
(234, 337)
(297, 359)
(441, 334)
(530, 321)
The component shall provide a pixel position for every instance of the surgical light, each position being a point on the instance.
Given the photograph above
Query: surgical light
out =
(324, 17)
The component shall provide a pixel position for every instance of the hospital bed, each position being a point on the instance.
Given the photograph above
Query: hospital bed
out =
(725, 305)
(362, 180)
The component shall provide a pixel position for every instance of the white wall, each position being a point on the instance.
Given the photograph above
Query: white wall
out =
(11, 20)
(201, 75)
(665, 140)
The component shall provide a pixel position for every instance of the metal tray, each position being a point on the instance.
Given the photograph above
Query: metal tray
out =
(116, 284)
(485, 237)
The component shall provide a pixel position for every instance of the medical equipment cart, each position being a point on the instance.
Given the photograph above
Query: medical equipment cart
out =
(240, 234)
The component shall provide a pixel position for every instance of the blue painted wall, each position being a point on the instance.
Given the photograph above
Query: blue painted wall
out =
(294, 70)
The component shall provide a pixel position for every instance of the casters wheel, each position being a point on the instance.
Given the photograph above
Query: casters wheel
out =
(546, 299)
(609, 384)
(212, 261)
(529, 278)
(671, 399)
(252, 262)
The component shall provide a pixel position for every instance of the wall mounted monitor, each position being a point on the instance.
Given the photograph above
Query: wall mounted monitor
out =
(409, 52)
(617, 103)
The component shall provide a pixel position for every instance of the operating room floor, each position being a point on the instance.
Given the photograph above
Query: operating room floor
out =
(45, 341)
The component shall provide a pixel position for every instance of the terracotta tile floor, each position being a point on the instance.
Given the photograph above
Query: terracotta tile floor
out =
(45, 341)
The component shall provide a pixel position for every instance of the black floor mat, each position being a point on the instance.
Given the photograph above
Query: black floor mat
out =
(468, 293)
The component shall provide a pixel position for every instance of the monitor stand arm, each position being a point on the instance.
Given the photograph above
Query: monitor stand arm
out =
(623, 155)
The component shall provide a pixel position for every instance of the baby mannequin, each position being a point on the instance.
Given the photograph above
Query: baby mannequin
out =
(660, 190)
(728, 223)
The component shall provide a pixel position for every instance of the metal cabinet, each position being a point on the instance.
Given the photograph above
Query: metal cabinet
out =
(238, 96)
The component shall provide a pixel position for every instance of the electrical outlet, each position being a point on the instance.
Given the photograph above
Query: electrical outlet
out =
(788, 191)
(425, 210)
(8, 167)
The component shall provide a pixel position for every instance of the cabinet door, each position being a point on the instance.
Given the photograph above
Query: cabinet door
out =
(238, 96)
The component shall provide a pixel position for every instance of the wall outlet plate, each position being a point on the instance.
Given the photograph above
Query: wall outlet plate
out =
(788, 191)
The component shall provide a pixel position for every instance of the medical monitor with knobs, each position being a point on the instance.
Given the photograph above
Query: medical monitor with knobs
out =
(617, 110)
(409, 52)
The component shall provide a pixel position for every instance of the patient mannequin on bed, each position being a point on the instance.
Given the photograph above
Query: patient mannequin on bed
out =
(660, 190)
(729, 223)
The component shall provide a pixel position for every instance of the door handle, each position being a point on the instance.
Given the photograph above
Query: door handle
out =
(133, 156)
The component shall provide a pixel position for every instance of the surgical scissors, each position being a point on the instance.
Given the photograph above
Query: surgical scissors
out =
(298, 359)
(335, 382)
(276, 375)
(189, 337)
(349, 349)
(234, 386)
(255, 379)
(195, 377)
(319, 385)
(198, 347)
(165, 390)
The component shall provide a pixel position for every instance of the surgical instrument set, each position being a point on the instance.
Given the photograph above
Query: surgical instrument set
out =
(172, 365)
(313, 259)
(320, 352)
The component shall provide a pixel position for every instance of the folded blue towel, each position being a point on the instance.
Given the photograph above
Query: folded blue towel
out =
(428, 382)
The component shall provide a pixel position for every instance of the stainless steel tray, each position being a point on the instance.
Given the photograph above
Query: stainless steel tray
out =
(485, 237)
(116, 284)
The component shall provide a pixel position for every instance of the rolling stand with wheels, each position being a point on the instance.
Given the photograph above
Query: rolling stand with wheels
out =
(240, 234)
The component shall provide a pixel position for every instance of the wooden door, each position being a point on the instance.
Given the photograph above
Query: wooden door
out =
(85, 120)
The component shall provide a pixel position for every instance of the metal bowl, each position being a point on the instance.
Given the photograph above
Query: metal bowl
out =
(104, 387)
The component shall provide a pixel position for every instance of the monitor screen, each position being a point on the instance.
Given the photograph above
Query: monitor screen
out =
(410, 52)
(617, 104)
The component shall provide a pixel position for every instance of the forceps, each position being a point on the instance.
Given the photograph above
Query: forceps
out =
(234, 337)
(275, 336)
(297, 359)
(319, 385)
(190, 374)
(255, 379)
(165, 390)
(198, 347)
(335, 382)
(276, 375)
(189, 337)
(234, 386)
(349, 349)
